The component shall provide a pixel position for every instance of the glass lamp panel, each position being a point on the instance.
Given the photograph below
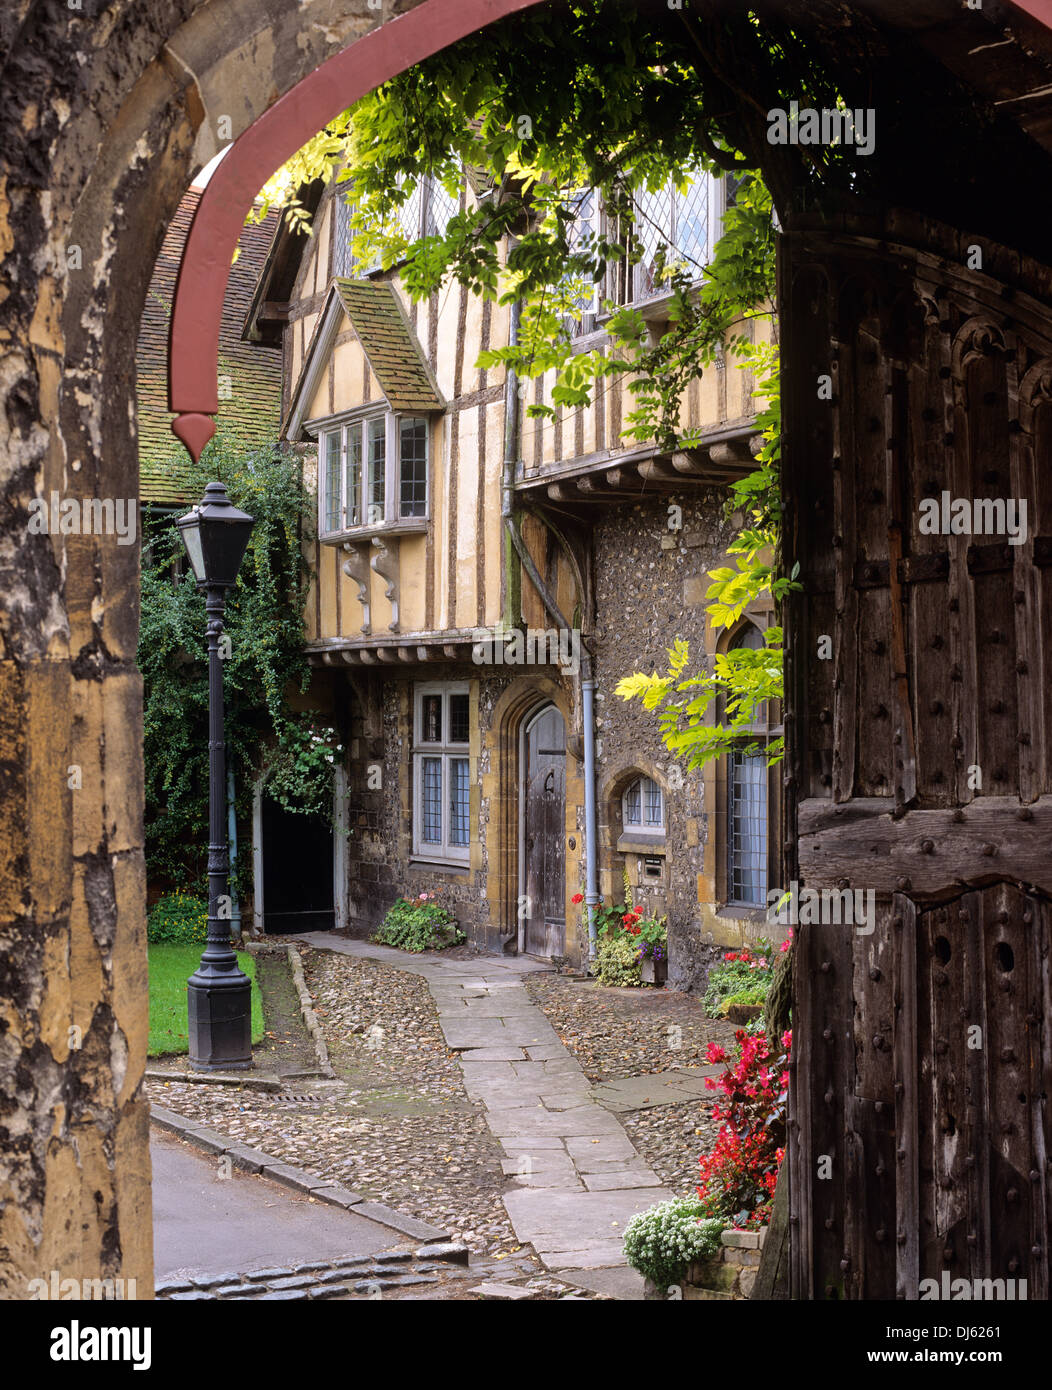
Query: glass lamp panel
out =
(192, 541)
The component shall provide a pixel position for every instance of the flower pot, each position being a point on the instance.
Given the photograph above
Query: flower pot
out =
(653, 972)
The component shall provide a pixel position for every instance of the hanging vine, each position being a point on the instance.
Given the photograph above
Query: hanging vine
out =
(264, 662)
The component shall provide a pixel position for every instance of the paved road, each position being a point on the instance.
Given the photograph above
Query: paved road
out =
(573, 1175)
(207, 1224)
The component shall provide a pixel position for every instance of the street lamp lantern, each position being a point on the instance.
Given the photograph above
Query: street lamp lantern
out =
(215, 534)
(219, 993)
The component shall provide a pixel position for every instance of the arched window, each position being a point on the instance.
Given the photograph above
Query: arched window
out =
(748, 806)
(643, 808)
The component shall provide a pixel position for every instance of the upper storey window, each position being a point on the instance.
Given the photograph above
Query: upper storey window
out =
(374, 471)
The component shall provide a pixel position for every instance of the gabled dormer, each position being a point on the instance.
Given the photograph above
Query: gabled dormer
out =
(368, 396)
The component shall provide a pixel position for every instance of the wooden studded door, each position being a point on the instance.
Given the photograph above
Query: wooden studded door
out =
(543, 832)
(918, 757)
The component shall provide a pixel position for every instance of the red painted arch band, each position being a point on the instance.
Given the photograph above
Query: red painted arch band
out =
(263, 148)
(272, 139)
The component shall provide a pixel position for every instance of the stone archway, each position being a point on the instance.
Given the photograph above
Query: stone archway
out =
(502, 740)
(112, 118)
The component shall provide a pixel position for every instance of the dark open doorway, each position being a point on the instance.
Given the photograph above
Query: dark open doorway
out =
(297, 871)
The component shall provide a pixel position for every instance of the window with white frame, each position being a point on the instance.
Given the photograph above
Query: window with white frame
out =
(643, 808)
(374, 471)
(441, 772)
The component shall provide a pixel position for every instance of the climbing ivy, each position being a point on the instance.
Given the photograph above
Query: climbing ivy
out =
(265, 665)
(742, 681)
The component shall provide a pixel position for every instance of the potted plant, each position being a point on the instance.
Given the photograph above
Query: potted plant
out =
(633, 949)
(651, 940)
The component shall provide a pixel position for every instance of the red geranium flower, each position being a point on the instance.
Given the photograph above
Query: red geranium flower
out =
(577, 898)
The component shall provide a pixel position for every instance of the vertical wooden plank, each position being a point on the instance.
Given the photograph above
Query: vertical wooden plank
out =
(907, 1098)
(1039, 933)
(846, 595)
(1029, 641)
(871, 1175)
(1012, 1085)
(947, 963)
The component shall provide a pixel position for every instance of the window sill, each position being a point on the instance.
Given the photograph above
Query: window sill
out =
(741, 912)
(641, 844)
(416, 526)
(449, 866)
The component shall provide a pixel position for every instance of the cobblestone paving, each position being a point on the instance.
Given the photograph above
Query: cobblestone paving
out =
(438, 1272)
(464, 1096)
(396, 1125)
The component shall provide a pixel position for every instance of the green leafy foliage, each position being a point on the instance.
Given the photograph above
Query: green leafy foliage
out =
(265, 663)
(743, 681)
(540, 110)
(178, 919)
(742, 977)
(617, 960)
(664, 1241)
(419, 924)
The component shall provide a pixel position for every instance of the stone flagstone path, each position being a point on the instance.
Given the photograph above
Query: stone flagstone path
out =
(574, 1177)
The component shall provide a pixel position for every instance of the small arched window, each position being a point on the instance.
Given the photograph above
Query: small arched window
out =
(643, 808)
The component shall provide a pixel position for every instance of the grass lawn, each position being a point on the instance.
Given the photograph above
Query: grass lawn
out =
(170, 968)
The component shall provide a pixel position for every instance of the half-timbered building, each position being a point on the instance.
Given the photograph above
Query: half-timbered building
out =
(482, 579)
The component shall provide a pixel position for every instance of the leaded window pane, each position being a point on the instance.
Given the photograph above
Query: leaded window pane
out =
(458, 801)
(653, 809)
(431, 719)
(332, 481)
(633, 805)
(431, 801)
(377, 456)
(458, 718)
(354, 475)
(413, 463)
(747, 838)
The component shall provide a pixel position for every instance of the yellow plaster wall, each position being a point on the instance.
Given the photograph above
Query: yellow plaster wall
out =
(466, 521)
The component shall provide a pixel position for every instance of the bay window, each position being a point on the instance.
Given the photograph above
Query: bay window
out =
(374, 471)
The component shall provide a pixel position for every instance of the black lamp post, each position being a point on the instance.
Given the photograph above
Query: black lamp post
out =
(219, 993)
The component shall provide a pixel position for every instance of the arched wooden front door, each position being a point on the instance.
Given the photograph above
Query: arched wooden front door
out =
(543, 823)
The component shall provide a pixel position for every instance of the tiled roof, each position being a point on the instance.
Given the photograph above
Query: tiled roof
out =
(390, 344)
(252, 414)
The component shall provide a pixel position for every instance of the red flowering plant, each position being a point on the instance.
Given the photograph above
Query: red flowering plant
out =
(742, 977)
(739, 1175)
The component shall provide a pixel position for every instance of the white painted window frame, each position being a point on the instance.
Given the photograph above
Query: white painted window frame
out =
(359, 420)
(643, 829)
(456, 856)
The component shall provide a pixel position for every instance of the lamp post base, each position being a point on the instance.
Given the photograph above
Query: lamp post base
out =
(220, 1018)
